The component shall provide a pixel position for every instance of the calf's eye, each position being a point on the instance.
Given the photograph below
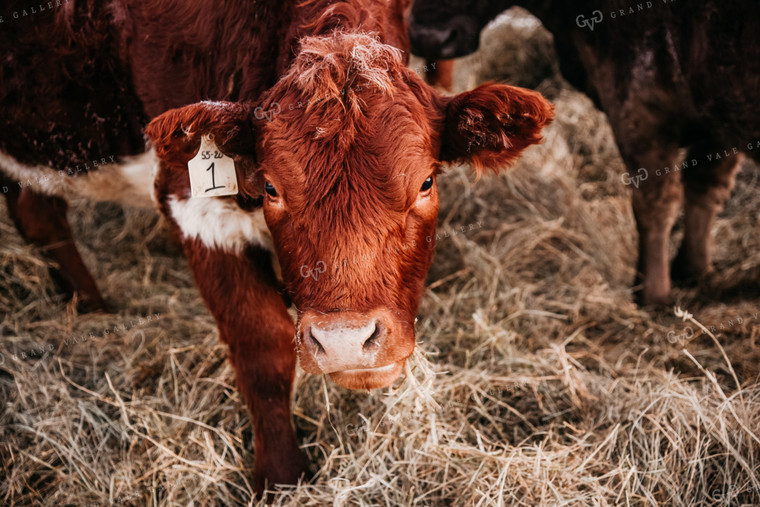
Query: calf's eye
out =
(427, 184)
(269, 189)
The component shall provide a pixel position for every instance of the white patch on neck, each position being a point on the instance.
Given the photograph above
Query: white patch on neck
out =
(217, 222)
(220, 223)
(129, 181)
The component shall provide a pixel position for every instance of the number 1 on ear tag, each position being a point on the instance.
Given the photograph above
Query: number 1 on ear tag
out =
(212, 173)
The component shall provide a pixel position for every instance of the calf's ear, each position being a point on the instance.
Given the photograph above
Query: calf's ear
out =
(491, 125)
(176, 134)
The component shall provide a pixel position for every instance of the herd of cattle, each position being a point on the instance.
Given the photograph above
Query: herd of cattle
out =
(274, 135)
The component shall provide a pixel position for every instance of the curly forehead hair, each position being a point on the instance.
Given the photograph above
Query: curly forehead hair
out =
(332, 79)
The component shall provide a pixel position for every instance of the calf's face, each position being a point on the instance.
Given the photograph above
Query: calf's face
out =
(344, 151)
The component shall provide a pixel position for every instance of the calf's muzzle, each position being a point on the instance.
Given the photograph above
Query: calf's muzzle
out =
(359, 350)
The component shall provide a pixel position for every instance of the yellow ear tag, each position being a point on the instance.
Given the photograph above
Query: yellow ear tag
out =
(212, 173)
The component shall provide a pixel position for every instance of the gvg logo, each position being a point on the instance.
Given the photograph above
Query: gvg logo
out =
(583, 22)
(641, 175)
(269, 114)
(320, 268)
(726, 493)
(685, 337)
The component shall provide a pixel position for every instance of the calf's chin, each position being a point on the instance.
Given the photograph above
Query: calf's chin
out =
(375, 378)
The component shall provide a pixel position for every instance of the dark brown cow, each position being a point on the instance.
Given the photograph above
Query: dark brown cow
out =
(327, 145)
(670, 76)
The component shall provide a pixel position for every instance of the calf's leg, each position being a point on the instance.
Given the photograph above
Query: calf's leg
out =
(240, 289)
(41, 220)
(707, 186)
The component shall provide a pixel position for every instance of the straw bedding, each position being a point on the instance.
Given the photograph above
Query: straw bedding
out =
(537, 381)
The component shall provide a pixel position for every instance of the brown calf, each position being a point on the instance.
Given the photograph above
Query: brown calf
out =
(331, 147)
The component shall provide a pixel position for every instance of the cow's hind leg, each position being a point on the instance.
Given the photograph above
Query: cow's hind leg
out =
(707, 186)
(241, 291)
(41, 220)
(656, 202)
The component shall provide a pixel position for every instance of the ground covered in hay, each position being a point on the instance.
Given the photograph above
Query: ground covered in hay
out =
(538, 381)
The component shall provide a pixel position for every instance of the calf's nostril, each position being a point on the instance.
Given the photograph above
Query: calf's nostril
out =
(374, 339)
(308, 336)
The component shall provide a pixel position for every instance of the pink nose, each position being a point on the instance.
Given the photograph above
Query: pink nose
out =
(359, 350)
(343, 341)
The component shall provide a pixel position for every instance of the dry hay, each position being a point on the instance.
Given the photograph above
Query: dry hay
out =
(542, 383)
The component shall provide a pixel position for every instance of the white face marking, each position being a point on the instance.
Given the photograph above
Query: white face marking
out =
(129, 181)
(220, 223)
